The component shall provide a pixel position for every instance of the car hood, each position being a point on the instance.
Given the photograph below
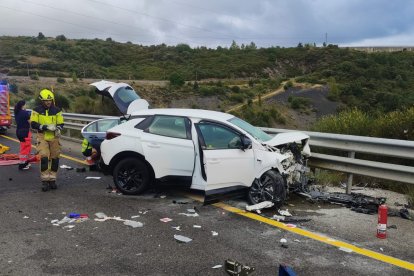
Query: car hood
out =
(123, 95)
(285, 138)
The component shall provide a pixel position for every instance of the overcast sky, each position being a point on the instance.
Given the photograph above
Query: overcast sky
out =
(216, 22)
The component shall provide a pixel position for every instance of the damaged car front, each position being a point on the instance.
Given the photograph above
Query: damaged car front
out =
(281, 162)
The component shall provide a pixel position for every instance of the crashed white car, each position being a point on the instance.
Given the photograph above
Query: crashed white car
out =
(211, 151)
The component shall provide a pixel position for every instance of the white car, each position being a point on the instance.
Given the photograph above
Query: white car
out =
(211, 151)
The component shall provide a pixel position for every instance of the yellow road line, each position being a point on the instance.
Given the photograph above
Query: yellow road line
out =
(305, 233)
(62, 155)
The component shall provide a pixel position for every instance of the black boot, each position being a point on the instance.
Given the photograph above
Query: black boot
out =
(45, 186)
(52, 185)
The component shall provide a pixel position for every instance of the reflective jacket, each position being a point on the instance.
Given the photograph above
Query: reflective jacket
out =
(42, 116)
(86, 148)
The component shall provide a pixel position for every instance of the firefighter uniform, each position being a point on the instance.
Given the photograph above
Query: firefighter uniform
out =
(47, 119)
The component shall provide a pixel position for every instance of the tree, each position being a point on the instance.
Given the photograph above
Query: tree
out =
(40, 36)
(300, 45)
(60, 38)
(176, 79)
(234, 46)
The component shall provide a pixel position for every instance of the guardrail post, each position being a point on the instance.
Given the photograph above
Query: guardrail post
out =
(351, 154)
(68, 132)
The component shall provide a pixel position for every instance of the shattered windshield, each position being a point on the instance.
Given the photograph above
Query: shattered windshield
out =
(252, 130)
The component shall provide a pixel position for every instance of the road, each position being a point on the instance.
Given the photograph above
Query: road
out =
(336, 241)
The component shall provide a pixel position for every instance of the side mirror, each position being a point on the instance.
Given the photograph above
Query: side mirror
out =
(246, 143)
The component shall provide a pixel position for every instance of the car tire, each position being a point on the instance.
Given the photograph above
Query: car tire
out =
(269, 187)
(131, 176)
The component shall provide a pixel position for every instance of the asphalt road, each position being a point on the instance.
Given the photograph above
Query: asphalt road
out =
(31, 245)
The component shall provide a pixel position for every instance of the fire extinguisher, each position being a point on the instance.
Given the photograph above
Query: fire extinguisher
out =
(382, 221)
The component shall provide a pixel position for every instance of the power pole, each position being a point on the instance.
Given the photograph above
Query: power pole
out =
(326, 39)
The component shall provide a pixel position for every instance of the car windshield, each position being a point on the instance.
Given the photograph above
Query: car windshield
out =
(252, 130)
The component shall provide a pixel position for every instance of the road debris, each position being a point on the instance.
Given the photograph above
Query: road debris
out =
(217, 266)
(259, 206)
(283, 243)
(347, 250)
(214, 233)
(189, 215)
(182, 239)
(284, 213)
(165, 219)
(178, 228)
(235, 268)
(93, 177)
(66, 167)
(133, 223)
(80, 170)
(196, 226)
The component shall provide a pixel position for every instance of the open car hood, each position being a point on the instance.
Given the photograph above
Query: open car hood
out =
(285, 138)
(123, 95)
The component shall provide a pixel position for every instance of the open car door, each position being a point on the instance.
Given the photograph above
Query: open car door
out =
(227, 168)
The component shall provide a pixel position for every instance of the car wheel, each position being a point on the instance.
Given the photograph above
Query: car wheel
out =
(131, 176)
(269, 187)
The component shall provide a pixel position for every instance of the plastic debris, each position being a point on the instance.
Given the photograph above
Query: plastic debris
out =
(101, 215)
(66, 167)
(191, 210)
(69, 226)
(346, 249)
(259, 206)
(214, 233)
(25, 217)
(278, 218)
(178, 228)
(189, 215)
(163, 196)
(285, 213)
(196, 226)
(74, 215)
(165, 219)
(133, 224)
(93, 177)
(136, 216)
(217, 266)
(183, 239)
(382, 249)
(290, 225)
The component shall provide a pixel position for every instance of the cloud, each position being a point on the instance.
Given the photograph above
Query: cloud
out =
(215, 22)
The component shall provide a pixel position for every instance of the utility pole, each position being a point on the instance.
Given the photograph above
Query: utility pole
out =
(326, 39)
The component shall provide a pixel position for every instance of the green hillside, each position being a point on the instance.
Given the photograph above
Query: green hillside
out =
(373, 82)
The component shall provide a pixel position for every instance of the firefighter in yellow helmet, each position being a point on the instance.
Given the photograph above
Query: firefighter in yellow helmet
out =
(47, 119)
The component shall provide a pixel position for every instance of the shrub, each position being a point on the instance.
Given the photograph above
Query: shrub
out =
(176, 79)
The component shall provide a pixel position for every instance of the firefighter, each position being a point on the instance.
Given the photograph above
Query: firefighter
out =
(47, 119)
(91, 154)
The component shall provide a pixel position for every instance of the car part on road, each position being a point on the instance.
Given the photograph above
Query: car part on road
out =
(235, 268)
(285, 270)
(131, 176)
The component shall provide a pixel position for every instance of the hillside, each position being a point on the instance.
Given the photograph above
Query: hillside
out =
(214, 78)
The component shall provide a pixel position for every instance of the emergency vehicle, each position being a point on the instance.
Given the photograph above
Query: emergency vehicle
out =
(5, 116)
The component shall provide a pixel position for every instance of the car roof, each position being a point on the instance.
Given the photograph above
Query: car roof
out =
(193, 113)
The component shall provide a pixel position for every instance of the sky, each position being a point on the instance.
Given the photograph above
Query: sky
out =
(213, 23)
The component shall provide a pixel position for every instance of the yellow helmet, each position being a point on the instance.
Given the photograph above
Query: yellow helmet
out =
(46, 95)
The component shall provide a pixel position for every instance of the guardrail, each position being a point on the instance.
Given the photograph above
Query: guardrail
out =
(347, 143)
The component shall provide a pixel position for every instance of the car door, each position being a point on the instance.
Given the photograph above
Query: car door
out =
(95, 132)
(168, 147)
(224, 162)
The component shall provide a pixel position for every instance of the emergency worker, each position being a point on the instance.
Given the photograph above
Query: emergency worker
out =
(47, 119)
(91, 154)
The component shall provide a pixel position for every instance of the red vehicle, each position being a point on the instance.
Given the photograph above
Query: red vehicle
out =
(5, 116)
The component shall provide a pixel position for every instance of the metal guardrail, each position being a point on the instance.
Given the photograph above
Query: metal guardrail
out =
(348, 143)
